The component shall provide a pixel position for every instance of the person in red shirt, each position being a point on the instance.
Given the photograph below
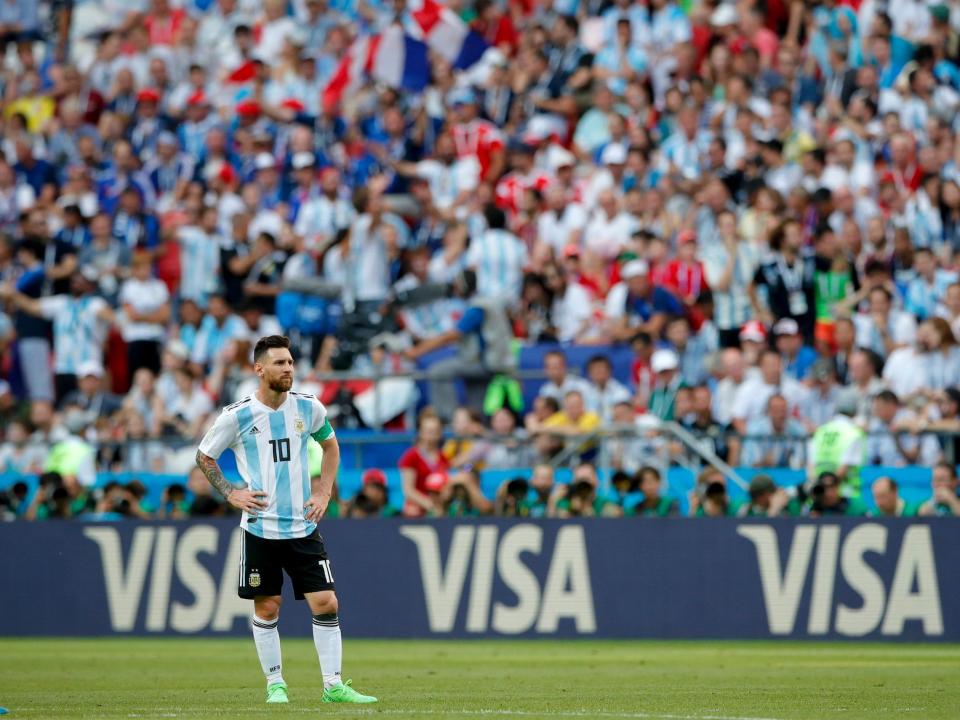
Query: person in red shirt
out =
(684, 274)
(163, 23)
(522, 177)
(476, 137)
(420, 462)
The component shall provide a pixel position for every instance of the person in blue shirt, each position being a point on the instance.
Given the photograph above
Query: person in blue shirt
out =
(636, 305)
(797, 357)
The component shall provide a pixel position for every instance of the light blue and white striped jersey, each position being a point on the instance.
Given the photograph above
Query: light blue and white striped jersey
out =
(271, 450)
(321, 218)
(498, 257)
(200, 264)
(79, 333)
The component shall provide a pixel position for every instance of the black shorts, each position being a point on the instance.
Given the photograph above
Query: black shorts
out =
(263, 562)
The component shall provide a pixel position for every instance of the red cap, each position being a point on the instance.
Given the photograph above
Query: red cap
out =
(328, 171)
(753, 330)
(227, 174)
(374, 477)
(293, 104)
(148, 94)
(888, 178)
(248, 108)
(571, 250)
(198, 98)
(436, 482)
(686, 236)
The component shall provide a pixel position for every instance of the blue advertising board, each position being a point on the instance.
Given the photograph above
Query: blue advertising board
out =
(834, 579)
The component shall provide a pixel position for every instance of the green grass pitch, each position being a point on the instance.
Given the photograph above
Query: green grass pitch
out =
(214, 678)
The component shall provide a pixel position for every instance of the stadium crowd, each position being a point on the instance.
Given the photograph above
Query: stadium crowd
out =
(760, 199)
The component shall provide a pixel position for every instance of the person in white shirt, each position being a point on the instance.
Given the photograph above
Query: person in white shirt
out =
(146, 309)
(750, 401)
(610, 229)
(886, 446)
(734, 376)
(884, 329)
(450, 179)
(604, 391)
(559, 380)
(498, 257)
(562, 222)
(321, 218)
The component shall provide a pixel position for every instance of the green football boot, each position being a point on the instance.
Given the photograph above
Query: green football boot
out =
(343, 693)
(277, 693)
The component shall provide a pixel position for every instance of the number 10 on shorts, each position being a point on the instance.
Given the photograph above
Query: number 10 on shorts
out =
(327, 573)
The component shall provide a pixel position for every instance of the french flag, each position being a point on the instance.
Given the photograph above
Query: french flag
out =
(392, 58)
(447, 34)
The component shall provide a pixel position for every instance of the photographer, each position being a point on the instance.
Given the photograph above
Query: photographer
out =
(462, 496)
(581, 498)
(373, 500)
(709, 498)
(767, 500)
(825, 499)
(654, 504)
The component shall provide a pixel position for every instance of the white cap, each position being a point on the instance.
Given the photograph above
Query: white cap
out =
(178, 349)
(90, 367)
(558, 157)
(634, 268)
(725, 14)
(265, 161)
(786, 326)
(613, 154)
(302, 160)
(663, 360)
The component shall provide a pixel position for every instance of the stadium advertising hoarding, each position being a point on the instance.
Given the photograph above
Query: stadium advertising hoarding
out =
(845, 578)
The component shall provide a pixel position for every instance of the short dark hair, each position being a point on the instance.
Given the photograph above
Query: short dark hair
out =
(266, 343)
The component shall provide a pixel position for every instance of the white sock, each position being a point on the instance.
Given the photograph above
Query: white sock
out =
(267, 639)
(326, 636)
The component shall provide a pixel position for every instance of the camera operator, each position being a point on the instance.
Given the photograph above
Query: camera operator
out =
(826, 500)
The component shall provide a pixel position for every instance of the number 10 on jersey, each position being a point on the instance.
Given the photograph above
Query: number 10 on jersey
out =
(281, 450)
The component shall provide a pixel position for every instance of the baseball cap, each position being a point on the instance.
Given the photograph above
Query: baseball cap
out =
(374, 477)
(178, 349)
(613, 154)
(761, 484)
(571, 250)
(634, 268)
(89, 273)
(167, 138)
(197, 98)
(265, 161)
(724, 15)
(786, 326)
(686, 236)
(753, 331)
(663, 360)
(558, 157)
(462, 96)
(848, 402)
(148, 94)
(248, 108)
(302, 160)
(90, 367)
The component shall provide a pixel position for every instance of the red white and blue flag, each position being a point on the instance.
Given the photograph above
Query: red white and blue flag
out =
(398, 56)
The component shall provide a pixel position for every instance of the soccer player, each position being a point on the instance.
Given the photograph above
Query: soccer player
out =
(269, 432)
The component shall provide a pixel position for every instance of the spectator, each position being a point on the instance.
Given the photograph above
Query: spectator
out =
(573, 419)
(604, 391)
(788, 278)
(752, 397)
(634, 305)
(146, 310)
(559, 380)
(887, 445)
(419, 462)
(498, 258)
(797, 357)
(90, 396)
(775, 440)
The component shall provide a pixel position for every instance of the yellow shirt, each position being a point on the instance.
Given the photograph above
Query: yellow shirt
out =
(586, 423)
(37, 110)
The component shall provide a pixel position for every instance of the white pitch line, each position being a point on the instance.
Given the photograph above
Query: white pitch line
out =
(531, 713)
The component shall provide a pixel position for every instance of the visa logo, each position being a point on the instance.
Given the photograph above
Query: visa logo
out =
(565, 593)
(913, 594)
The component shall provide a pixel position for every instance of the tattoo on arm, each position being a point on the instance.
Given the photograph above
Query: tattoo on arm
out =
(213, 474)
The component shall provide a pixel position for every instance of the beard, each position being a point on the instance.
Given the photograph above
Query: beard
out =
(280, 384)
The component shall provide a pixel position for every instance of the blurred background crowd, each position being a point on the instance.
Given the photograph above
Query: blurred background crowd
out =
(740, 218)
